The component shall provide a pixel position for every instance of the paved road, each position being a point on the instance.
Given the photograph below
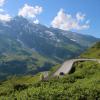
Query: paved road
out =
(67, 66)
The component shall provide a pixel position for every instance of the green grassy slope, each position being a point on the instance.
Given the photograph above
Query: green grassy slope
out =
(83, 84)
(23, 64)
(18, 59)
(93, 52)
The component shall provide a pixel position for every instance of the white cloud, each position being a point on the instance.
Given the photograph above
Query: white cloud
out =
(80, 16)
(2, 2)
(5, 17)
(30, 11)
(68, 22)
(1, 10)
(36, 21)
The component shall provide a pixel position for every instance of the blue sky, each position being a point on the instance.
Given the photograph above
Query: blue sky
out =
(81, 16)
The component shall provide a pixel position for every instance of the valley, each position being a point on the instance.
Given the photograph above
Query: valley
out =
(27, 48)
(82, 82)
(49, 50)
(30, 53)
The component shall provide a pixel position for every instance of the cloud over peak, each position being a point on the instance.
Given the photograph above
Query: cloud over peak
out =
(5, 17)
(2, 2)
(80, 16)
(66, 21)
(30, 11)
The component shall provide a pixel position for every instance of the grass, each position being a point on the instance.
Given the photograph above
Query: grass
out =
(83, 84)
(93, 52)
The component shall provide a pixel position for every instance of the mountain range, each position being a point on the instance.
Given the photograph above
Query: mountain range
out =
(26, 48)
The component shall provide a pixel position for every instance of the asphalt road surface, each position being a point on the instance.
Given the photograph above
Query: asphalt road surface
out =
(67, 66)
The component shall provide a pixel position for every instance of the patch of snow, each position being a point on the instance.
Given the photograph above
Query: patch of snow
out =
(50, 33)
(73, 40)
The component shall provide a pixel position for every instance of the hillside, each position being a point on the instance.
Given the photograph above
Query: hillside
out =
(28, 48)
(50, 42)
(83, 84)
(93, 52)
(23, 64)
(49, 50)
